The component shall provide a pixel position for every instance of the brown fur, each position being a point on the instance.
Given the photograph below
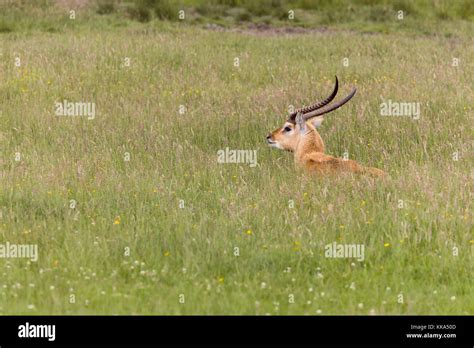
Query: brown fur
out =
(309, 152)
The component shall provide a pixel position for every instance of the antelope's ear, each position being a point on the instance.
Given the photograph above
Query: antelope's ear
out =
(317, 121)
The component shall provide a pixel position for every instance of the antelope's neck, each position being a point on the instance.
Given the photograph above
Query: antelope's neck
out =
(310, 142)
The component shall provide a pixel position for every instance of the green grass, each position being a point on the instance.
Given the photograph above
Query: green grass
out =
(428, 17)
(190, 251)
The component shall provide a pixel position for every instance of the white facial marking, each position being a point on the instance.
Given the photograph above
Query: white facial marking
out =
(276, 145)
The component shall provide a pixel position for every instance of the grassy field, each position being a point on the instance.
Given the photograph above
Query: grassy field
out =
(157, 234)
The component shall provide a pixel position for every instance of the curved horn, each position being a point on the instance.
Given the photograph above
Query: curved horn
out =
(332, 108)
(316, 106)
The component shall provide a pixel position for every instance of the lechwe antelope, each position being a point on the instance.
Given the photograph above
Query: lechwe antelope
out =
(299, 135)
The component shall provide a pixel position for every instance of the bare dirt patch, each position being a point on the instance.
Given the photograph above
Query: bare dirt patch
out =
(73, 4)
(266, 29)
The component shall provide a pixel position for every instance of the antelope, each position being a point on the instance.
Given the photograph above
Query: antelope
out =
(299, 135)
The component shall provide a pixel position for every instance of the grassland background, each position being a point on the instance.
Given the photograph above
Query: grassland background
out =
(189, 251)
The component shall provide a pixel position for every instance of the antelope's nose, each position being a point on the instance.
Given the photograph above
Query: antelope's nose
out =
(269, 136)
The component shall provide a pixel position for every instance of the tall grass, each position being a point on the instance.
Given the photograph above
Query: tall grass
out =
(424, 16)
(130, 246)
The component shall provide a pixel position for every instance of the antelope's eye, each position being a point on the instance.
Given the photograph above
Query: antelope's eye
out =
(287, 129)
